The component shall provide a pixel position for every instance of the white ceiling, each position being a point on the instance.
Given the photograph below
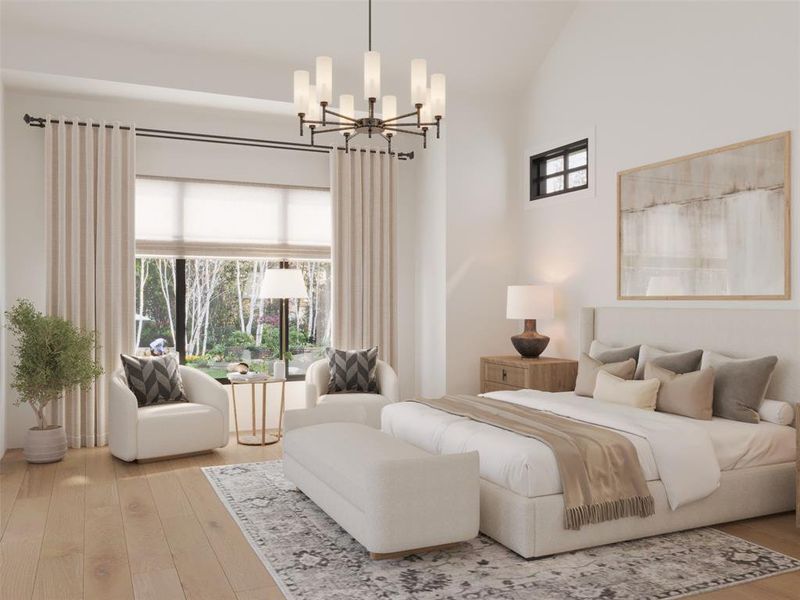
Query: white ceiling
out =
(486, 46)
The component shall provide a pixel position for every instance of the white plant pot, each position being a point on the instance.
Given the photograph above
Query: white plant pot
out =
(45, 445)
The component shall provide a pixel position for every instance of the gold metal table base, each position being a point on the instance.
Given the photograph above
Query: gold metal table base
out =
(258, 437)
(257, 440)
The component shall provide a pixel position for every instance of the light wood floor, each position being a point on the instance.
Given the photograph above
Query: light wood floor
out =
(95, 527)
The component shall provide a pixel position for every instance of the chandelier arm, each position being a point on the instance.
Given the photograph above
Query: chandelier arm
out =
(404, 131)
(345, 117)
(347, 128)
(307, 122)
(412, 124)
(411, 114)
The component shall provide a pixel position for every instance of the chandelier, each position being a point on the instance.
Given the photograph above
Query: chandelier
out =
(311, 101)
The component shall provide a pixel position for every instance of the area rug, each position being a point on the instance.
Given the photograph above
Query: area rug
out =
(312, 558)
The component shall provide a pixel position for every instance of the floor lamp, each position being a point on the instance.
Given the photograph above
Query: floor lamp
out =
(283, 285)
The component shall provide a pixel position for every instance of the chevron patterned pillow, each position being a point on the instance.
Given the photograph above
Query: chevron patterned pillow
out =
(353, 370)
(154, 379)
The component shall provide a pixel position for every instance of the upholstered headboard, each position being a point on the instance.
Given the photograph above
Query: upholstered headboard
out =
(736, 332)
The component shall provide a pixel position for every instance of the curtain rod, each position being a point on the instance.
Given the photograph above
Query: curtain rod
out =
(189, 136)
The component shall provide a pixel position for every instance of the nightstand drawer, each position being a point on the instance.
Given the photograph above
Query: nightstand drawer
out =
(491, 386)
(513, 376)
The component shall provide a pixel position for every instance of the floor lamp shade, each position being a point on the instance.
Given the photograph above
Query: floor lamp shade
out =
(283, 283)
(530, 302)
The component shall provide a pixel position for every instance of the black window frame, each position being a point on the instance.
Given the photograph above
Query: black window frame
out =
(180, 320)
(538, 169)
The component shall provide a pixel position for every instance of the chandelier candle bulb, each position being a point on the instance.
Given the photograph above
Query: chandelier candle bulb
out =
(425, 114)
(389, 108)
(314, 110)
(300, 91)
(324, 79)
(437, 94)
(347, 109)
(372, 74)
(419, 80)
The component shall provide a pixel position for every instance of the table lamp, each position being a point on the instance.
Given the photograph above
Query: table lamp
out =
(530, 302)
(283, 284)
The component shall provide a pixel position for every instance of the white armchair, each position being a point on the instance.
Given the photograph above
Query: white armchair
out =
(171, 429)
(318, 376)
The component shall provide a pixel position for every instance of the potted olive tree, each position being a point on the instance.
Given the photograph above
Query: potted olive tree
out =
(52, 356)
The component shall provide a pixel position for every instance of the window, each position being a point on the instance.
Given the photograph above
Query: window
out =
(561, 170)
(202, 251)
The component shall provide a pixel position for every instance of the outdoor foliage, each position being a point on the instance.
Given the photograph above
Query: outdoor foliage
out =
(52, 355)
(226, 321)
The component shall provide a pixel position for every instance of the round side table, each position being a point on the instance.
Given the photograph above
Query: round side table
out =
(256, 438)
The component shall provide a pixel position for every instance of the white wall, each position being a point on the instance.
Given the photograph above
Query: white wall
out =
(24, 233)
(655, 81)
(481, 238)
(2, 278)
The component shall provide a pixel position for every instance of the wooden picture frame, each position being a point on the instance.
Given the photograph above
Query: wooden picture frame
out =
(691, 193)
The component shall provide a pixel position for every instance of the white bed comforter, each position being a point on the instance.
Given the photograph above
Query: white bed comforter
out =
(682, 452)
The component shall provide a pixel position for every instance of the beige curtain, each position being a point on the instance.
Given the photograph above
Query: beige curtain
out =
(89, 199)
(364, 195)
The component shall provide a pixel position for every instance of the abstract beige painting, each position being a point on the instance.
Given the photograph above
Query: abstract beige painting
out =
(712, 225)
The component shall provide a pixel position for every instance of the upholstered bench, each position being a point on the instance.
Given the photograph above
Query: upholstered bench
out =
(392, 497)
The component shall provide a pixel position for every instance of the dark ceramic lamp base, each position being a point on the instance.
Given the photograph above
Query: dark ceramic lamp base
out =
(530, 343)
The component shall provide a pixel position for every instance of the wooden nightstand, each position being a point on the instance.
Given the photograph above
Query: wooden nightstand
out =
(515, 372)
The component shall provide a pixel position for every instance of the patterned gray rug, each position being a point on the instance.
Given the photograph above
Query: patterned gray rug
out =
(312, 558)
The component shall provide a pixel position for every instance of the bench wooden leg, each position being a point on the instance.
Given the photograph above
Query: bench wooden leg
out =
(404, 553)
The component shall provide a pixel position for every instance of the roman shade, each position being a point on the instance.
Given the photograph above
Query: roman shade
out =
(184, 218)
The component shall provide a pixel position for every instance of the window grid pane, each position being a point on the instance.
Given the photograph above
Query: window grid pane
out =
(560, 170)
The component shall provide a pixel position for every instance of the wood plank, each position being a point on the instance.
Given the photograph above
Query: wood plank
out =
(21, 545)
(60, 571)
(242, 567)
(158, 585)
(270, 593)
(170, 499)
(12, 472)
(38, 480)
(101, 480)
(106, 574)
(145, 541)
(199, 570)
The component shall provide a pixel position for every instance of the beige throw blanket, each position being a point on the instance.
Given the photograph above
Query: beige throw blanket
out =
(600, 471)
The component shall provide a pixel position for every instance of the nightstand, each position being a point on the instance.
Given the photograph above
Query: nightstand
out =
(514, 372)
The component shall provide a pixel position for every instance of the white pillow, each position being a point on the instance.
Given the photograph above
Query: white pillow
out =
(776, 411)
(639, 394)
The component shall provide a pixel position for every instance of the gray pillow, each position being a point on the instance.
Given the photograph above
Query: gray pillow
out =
(677, 362)
(588, 368)
(353, 371)
(739, 384)
(154, 379)
(610, 354)
(688, 394)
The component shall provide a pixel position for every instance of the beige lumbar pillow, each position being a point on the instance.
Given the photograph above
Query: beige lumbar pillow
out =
(639, 394)
(687, 394)
(588, 368)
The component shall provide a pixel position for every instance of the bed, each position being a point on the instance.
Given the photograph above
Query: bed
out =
(743, 470)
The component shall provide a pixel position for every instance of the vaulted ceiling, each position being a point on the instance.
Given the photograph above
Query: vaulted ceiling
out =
(482, 46)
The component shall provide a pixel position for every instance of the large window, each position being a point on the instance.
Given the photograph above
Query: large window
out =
(560, 170)
(203, 249)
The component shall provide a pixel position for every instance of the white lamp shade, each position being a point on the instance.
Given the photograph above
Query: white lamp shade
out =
(389, 108)
(437, 94)
(324, 78)
(530, 302)
(283, 283)
(419, 80)
(300, 91)
(372, 75)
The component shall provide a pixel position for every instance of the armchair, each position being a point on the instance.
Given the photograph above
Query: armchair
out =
(171, 429)
(318, 375)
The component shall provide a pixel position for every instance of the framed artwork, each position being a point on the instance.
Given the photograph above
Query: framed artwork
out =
(709, 226)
